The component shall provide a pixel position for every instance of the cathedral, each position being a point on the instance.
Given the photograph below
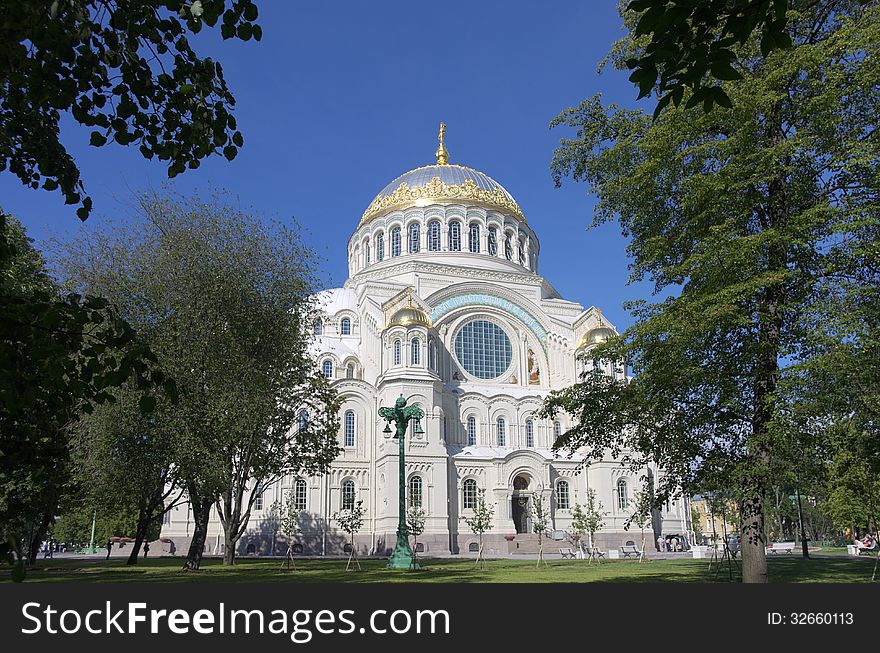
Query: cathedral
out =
(445, 305)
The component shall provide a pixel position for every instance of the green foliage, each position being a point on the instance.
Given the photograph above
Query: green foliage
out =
(481, 520)
(62, 356)
(692, 45)
(699, 198)
(540, 516)
(126, 69)
(854, 495)
(590, 518)
(226, 302)
(351, 520)
(415, 520)
(287, 515)
(74, 525)
(757, 226)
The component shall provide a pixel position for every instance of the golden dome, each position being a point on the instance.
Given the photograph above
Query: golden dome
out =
(409, 316)
(439, 183)
(596, 336)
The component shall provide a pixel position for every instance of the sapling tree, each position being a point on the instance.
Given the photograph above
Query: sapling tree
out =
(351, 520)
(594, 520)
(415, 522)
(288, 524)
(479, 523)
(578, 529)
(540, 521)
(641, 515)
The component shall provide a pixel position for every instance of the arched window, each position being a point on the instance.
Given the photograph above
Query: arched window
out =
(345, 327)
(622, 495)
(415, 238)
(434, 236)
(318, 327)
(367, 252)
(493, 241)
(380, 247)
(522, 253)
(302, 420)
(415, 492)
(474, 238)
(530, 433)
(455, 236)
(396, 352)
(432, 354)
(349, 428)
(349, 371)
(508, 248)
(415, 349)
(471, 431)
(469, 494)
(557, 430)
(395, 241)
(258, 500)
(327, 368)
(501, 428)
(563, 497)
(347, 494)
(299, 494)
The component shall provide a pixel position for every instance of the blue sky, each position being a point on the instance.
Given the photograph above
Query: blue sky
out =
(340, 98)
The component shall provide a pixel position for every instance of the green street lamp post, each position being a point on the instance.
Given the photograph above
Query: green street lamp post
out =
(401, 414)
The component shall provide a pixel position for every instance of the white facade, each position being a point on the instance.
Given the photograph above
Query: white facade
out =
(444, 305)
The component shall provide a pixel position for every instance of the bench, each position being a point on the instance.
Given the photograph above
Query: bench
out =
(630, 551)
(861, 547)
(781, 547)
(566, 553)
(593, 552)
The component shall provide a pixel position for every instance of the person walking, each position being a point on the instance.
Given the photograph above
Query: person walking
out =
(146, 549)
(109, 548)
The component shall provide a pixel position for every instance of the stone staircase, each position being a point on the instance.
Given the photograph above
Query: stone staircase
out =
(528, 543)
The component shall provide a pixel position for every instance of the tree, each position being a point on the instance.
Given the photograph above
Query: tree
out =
(479, 523)
(125, 69)
(578, 530)
(689, 45)
(415, 521)
(593, 519)
(288, 523)
(62, 355)
(540, 521)
(226, 302)
(641, 515)
(744, 280)
(351, 520)
(124, 460)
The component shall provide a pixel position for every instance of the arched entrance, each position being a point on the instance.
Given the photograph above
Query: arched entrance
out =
(520, 508)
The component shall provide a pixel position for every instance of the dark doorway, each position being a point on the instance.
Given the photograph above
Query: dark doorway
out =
(520, 512)
(520, 504)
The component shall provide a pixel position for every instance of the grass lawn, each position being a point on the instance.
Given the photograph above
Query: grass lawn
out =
(788, 569)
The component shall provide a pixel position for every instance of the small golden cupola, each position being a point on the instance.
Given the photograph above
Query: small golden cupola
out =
(409, 315)
(596, 336)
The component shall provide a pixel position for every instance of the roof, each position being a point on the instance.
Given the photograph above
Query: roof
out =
(439, 183)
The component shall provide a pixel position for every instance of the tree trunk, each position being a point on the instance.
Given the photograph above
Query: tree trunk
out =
(38, 536)
(229, 547)
(770, 320)
(136, 548)
(201, 513)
